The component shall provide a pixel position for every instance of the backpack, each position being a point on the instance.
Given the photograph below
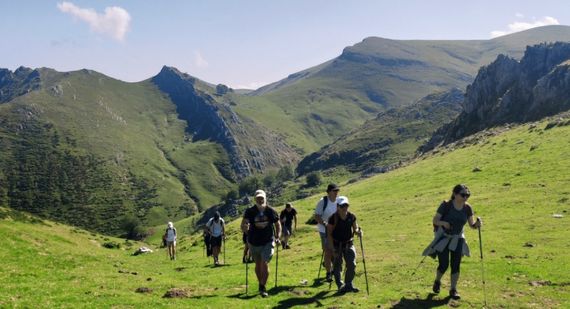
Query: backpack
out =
(312, 219)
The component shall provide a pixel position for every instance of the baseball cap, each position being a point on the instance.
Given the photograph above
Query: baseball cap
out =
(261, 193)
(332, 187)
(341, 200)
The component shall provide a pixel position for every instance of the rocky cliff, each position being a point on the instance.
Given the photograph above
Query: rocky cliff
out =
(19, 82)
(509, 91)
(252, 148)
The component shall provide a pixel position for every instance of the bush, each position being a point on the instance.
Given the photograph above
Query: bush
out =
(112, 245)
(314, 179)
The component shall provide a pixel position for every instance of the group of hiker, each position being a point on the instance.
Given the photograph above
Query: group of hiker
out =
(263, 229)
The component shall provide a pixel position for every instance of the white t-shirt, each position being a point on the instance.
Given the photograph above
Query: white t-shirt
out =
(215, 228)
(171, 234)
(329, 211)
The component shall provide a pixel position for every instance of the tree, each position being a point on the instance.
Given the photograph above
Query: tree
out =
(249, 185)
(314, 179)
(285, 173)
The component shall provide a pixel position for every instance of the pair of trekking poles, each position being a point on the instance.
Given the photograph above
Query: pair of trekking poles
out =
(276, 270)
(363, 263)
(482, 265)
(223, 248)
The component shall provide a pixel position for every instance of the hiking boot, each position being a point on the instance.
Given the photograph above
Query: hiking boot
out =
(287, 246)
(436, 286)
(454, 295)
(263, 291)
(328, 278)
(352, 288)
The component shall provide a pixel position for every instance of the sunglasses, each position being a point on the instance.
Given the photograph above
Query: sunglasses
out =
(343, 205)
(465, 195)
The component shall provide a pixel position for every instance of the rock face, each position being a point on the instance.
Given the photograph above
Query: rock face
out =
(511, 91)
(252, 148)
(19, 82)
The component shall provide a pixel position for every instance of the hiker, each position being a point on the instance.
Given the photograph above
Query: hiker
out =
(170, 236)
(449, 239)
(258, 222)
(325, 208)
(216, 229)
(287, 216)
(341, 228)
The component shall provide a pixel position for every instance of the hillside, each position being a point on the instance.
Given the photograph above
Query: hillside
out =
(509, 91)
(89, 150)
(522, 182)
(390, 138)
(314, 107)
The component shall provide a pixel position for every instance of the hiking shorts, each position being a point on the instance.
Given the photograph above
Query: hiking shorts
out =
(171, 243)
(244, 238)
(323, 240)
(265, 252)
(216, 241)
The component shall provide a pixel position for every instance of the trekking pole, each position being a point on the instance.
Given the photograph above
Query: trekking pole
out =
(276, 264)
(335, 256)
(482, 266)
(321, 265)
(364, 262)
(224, 244)
(246, 273)
(418, 267)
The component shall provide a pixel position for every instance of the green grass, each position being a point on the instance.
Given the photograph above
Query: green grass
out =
(516, 194)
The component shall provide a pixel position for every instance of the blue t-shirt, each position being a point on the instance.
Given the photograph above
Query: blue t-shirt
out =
(456, 218)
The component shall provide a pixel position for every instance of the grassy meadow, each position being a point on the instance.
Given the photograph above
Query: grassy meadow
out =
(523, 181)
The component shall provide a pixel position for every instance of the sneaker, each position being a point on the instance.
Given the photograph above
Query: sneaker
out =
(354, 289)
(287, 246)
(454, 295)
(328, 278)
(263, 294)
(262, 291)
(436, 286)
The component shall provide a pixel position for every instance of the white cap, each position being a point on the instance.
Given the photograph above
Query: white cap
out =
(261, 193)
(170, 225)
(341, 200)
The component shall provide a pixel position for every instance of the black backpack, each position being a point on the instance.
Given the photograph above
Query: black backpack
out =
(312, 220)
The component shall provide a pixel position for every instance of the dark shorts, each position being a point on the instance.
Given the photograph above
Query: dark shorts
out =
(216, 241)
(244, 238)
(287, 230)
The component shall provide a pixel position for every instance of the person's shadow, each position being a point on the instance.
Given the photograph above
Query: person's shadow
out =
(429, 302)
(302, 301)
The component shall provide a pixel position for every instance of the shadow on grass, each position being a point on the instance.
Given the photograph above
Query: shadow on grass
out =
(429, 302)
(318, 282)
(249, 295)
(300, 301)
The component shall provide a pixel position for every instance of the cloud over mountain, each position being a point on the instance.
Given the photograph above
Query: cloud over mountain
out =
(114, 22)
(521, 26)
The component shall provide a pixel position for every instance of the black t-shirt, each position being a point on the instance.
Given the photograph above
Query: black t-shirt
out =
(457, 218)
(260, 225)
(288, 216)
(342, 228)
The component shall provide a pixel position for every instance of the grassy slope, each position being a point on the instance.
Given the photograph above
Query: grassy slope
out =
(134, 125)
(516, 194)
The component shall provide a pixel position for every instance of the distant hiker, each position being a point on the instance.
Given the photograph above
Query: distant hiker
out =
(287, 216)
(325, 208)
(259, 222)
(341, 228)
(449, 239)
(170, 235)
(216, 229)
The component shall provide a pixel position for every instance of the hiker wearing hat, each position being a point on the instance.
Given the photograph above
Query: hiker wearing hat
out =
(325, 208)
(287, 216)
(341, 228)
(259, 222)
(449, 240)
(215, 228)
(170, 237)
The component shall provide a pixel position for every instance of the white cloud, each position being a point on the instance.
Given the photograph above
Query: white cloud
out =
(519, 15)
(199, 61)
(520, 26)
(115, 22)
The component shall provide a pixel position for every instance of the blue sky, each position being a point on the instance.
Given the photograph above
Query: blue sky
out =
(238, 43)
